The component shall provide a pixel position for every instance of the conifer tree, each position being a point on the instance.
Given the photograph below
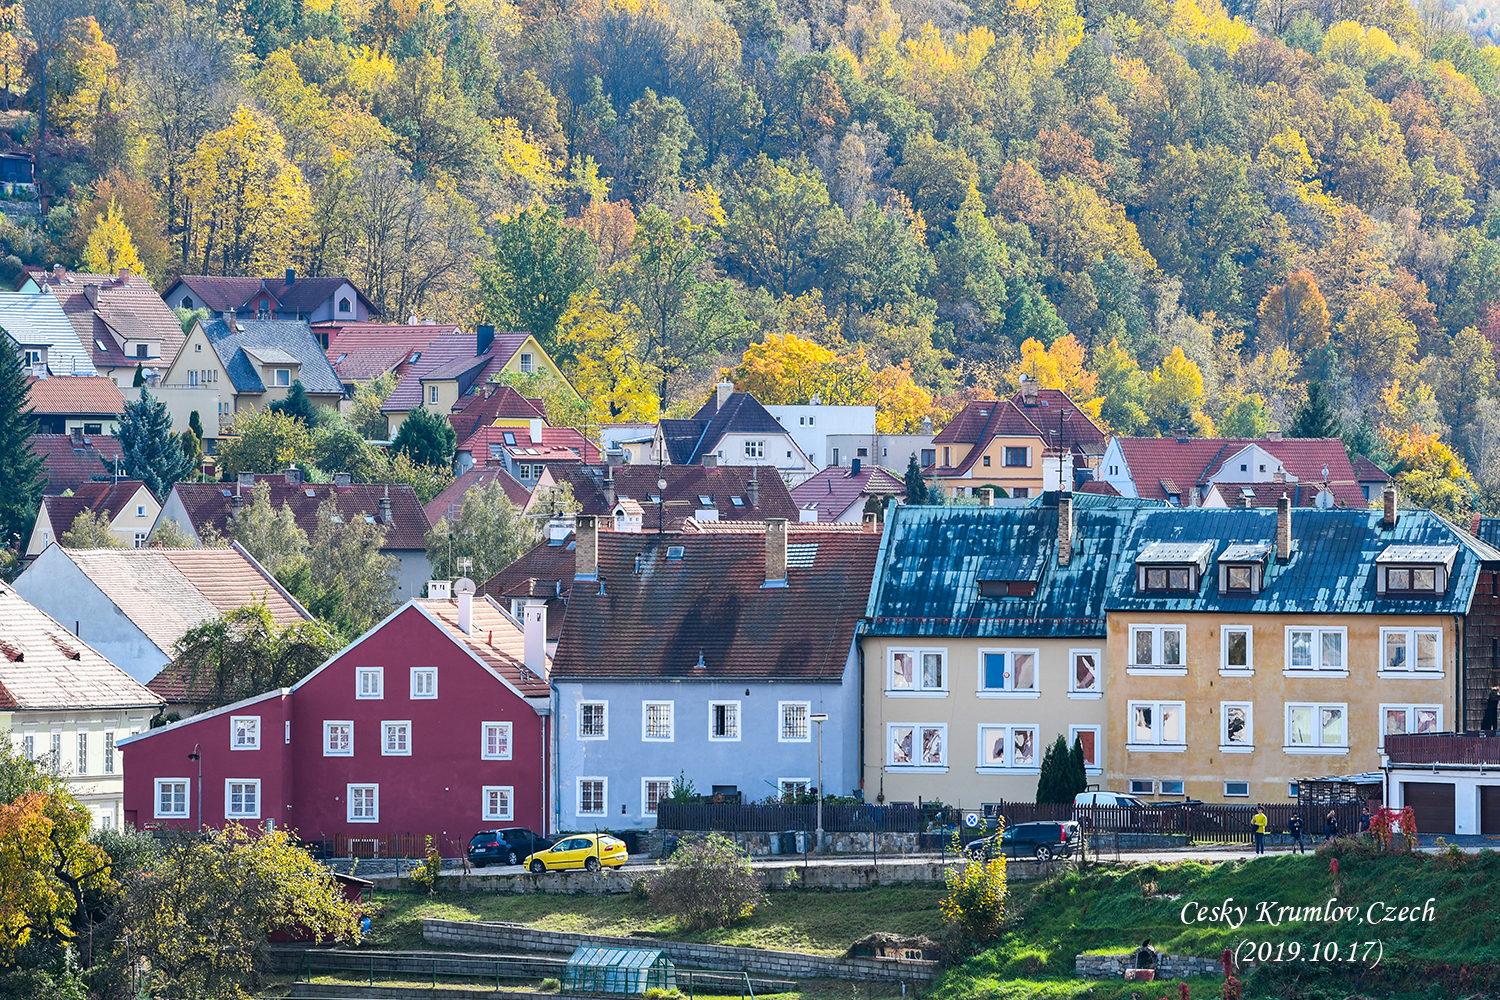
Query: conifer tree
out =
(21, 472)
(152, 453)
(296, 405)
(1055, 782)
(1316, 419)
(916, 486)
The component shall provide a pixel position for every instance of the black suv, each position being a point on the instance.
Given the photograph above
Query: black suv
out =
(1043, 841)
(505, 847)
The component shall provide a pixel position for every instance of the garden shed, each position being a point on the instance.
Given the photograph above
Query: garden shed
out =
(618, 970)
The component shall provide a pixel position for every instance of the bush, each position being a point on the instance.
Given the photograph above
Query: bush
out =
(975, 905)
(426, 874)
(707, 883)
(550, 985)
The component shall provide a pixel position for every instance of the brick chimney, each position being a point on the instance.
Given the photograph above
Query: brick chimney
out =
(710, 461)
(586, 551)
(776, 552)
(724, 390)
(1283, 528)
(1389, 498)
(535, 624)
(1064, 528)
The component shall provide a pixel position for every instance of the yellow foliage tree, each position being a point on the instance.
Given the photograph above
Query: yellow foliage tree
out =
(81, 70)
(1174, 398)
(46, 866)
(110, 247)
(1428, 473)
(607, 371)
(1059, 367)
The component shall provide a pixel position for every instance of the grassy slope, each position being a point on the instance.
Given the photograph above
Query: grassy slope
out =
(824, 923)
(1112, 910)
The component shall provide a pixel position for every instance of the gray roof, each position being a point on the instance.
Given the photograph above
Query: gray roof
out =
(1426, 555)
(272, 338)
(38, 320)
(1247, 552)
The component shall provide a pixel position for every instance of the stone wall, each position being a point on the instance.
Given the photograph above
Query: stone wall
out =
(892, 846)
(512, 938)
(1168, 966)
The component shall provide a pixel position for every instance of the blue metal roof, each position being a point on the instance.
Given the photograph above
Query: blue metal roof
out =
(1331, 569)
(292, 336)
(932, 559)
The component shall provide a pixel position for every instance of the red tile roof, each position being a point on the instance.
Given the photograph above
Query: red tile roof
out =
(490, 402)
(1098, 486)
(210, 503)
(655, 616)
(686, 485)
(440, 351)
(495, 637)
(93, 496)
(980, 422)
(1064, 426)
(451, 500)
(1189, 462)
(67, 467)
(304, 295)
(835, 489)
(126, 307)
(1367, 471)
(75, 395)
(559, 444)
(545, 571)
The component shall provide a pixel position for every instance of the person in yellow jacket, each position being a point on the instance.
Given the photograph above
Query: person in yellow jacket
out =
(1259, 819)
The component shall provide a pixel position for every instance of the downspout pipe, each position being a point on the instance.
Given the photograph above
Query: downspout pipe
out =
(556, 770)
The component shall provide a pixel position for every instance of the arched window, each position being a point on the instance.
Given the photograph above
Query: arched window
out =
(187, 302)
(344, 305)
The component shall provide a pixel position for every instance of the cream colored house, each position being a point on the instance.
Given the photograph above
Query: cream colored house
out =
(252, 363)
(130, 505)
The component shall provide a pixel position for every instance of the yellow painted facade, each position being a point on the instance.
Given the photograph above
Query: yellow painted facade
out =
(996, 473)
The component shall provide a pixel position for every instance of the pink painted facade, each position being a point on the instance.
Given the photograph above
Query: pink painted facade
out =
(417, 728)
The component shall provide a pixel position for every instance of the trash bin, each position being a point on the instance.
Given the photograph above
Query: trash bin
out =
(775, 840)
(801, 840)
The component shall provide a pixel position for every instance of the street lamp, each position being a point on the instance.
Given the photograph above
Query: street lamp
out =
(820, 718)
(195, 755)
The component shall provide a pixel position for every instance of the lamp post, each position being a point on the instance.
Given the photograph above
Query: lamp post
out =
(195, 755)
(820, 718)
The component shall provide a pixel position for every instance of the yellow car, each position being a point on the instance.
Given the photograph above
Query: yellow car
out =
(588, 851)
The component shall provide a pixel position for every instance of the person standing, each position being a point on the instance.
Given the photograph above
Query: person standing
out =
(1294, 827)
(1259, 820)
(1331, 825)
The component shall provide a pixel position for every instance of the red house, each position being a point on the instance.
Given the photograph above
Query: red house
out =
(435, 722)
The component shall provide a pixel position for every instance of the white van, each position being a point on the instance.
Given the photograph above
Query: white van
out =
(1106, 799)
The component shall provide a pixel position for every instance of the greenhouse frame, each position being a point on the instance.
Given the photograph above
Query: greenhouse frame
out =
(592, 969)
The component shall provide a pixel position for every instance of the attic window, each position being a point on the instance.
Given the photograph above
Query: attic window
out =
(704, 500)
(311, 493)
(801, 555)
(344, 305)
(510, 437)
(1007, 588)
(101, 345)
(737, 501)
(532, 451)
(337, 519)
(674, 552)
(1242, 568)
(369, 518)
(225, 492)
(1172, 566)
(1414, 570)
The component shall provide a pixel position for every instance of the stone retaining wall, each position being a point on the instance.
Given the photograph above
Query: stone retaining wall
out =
(487, 936)
(889, 846)
(353, 991)
(1168, 966)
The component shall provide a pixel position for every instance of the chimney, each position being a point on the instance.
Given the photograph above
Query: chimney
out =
(609, 484)
(1064, 528)
(536, 431)
(293, 475)
(245, 481)
(752, 490)
(385, 510)
(926, 425)
(1247, 499)
(725, 388)
(91, 292)
(1389, 498)
(1283, 528)
(1028, 391)
(986, 497)
(486, 339)
(343, 480)
(124, 275)
(586, 548)
(59, 272)
(854, 468)
(871, 521)
(77, 433)
(535, 623)
(291, 276)
(1273, 436)
(463, 589)
(1195, 497)
(236, 504)
(710, 461)
(776, 552)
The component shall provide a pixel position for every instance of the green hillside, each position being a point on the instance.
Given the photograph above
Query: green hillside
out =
(1455, 953)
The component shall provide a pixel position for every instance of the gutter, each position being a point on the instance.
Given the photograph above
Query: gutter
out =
(1460, 699)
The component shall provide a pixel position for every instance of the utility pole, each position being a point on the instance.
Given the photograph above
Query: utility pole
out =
(820, 718)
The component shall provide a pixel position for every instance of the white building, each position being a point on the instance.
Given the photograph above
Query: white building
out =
(811, 425)
(892, 452)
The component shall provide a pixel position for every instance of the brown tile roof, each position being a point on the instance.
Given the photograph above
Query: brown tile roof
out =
(1063, 425)
(210, 503)
(659, 617)
(685, 485)
(1098, 486)
(98, 497)
(1188, 462)
(44, 666)
(67, 467)
(70, 394)
(980, 422)
(545, 571)
(451, 500)
(835, 489)
(558, 444)
(126, 307)
(495, 637)
(304, 295)
(364, 350)
(1367, 471)
(489, 403)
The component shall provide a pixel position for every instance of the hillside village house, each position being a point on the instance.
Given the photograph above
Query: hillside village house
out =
(732, 428)
(360, 352)
(39, 332)
(70, 460)
(839, 494)
(985, 640)
(989, 443)
(435, 722)
(613, 493)
(1253, 646)
(82, 405)
(812, 424)
(118, 317)
(132, 605)
(129, 504)
(252, 363)
(312, 300)
(707, 655)
(60, 697)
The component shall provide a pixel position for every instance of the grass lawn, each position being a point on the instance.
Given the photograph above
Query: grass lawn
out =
(820, 923)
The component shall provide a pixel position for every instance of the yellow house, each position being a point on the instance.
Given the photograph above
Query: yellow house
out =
(130, 505)
(253, 363)
(1251, 647)
(990, 443)
(456, 365)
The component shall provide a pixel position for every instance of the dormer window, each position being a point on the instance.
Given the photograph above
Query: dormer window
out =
(344, 305)
(1007, 588)
(1172, 566)
(1414, 570)
(1242, 568)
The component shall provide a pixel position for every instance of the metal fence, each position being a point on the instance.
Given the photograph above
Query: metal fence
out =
(382, 845)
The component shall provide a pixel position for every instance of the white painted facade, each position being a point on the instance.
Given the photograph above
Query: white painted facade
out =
(811, 424)
(892, 452)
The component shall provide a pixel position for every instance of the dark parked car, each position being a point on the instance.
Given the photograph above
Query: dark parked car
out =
(505, 847)
(1043, 841)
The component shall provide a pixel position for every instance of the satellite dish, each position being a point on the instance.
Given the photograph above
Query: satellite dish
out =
(1324, 500)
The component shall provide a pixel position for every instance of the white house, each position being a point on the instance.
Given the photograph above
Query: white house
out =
(811, 424)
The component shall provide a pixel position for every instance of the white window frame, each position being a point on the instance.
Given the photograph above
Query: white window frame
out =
(1156, 745)
(1085, 694)
(983, 766)
(671, 707)
(417, 694)
(603, 809)
(1248, 670)
(1155, 667)
(359, 683)
(1236, 795)
(109, 751)
(484, 741)
(916, 766)
(1162, 789)
(1317, 669)
(1007, 691)
(646, 811)
(807, 723)
(385, 737)
(1411, 709)
(1142, 786)
(229, 783)
(528, 363)
(739, 722)
(328, 724)
(252, 742)
(432, 395)
(1248, 746)
(187, 798)
(603, 706)
(1411, 671)
(486, 814)
(755, 449)
(1097, 767)
(81, 761)
(1317, 747)
(918, 689)
(280, 374)
(373, 788)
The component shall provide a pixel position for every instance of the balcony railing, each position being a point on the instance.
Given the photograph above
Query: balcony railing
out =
(1444, 748)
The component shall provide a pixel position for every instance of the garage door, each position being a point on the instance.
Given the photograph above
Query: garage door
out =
(1489, 809)
(1432, 802)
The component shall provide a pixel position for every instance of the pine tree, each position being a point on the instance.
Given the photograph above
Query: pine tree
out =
(21, 471)
(195, 424)
(1316, 419)
(296, 405)
(152, 453)
(1077, 770)
(916, 486)
(140, 376)
(426, 438)
(1054, 783)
